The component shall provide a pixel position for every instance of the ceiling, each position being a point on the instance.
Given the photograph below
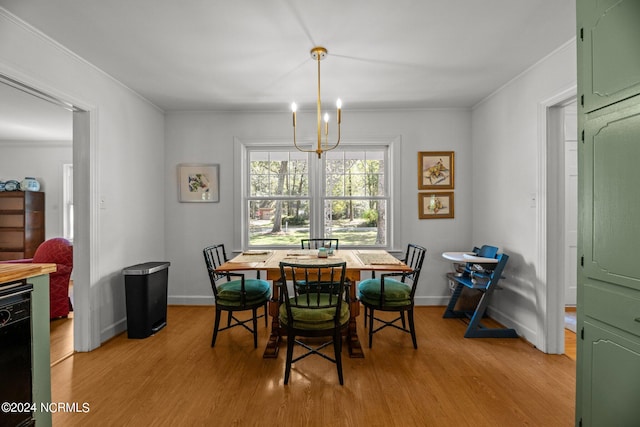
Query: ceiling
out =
(25, 117)
(253, 55)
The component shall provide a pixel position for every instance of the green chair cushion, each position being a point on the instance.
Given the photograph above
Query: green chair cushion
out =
(257, 291)
(396, 293)
(313, 318)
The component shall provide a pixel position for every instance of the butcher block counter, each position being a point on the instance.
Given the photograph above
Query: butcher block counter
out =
(11, 272)
(38, 276)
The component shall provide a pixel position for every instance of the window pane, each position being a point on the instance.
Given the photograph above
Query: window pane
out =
(259, 173)
(355, 173)
(334, 185)
(356, 222)
(374, 177)
(335, 162)
(278, 222)
(278, 173)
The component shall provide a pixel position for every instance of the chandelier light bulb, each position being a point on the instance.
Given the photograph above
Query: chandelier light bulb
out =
(294, 107)
(339, 103)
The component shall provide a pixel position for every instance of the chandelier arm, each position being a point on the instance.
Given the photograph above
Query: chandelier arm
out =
(336, 144)
(295, 142)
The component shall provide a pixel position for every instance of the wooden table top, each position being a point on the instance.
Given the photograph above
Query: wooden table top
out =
(11, 272)
(356, 259)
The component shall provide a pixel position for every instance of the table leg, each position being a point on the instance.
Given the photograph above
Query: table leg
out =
(353, 342)
(273, 345)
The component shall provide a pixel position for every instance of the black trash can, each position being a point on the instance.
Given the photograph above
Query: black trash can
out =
(146, 295)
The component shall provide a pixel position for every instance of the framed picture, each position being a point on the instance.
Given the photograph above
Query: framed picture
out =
(198, 182)
(435, 170)
(435, 205)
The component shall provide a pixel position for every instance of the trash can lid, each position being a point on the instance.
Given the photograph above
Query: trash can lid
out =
(145, 268)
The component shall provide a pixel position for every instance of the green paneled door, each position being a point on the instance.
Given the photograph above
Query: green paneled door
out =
(608, 366)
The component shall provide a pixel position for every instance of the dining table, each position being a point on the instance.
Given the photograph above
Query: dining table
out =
(357, 261)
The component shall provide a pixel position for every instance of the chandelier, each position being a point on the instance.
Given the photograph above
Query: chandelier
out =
(318, 54)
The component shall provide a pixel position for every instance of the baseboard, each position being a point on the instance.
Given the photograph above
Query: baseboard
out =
(426, 301)
(507, 321)
(112, 330)
(190, 300)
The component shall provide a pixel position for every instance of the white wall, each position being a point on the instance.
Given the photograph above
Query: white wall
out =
(125, 163)
(506, 143)
(208, 137)
(42, 160)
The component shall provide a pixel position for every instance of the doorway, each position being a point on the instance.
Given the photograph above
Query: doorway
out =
(560, 216)
(85, 327)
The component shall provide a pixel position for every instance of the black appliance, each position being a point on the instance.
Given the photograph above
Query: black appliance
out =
(15, 354)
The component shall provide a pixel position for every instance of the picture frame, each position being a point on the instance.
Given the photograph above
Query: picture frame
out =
(198, 183)
(436, 170)
(435, 205)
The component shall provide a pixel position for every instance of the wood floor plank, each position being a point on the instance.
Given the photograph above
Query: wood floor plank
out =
(175, 378)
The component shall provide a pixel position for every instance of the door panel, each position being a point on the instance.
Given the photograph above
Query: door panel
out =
(612, 68)
(612, 383)
(612, 205)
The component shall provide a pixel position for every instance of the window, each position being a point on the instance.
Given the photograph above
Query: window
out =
(67, 201)
(355, 199)
(278, 200)
(288, 195)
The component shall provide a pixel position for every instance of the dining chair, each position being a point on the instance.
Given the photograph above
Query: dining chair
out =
(319, 243)
(233, 292)
(395, 295)
(316, 305)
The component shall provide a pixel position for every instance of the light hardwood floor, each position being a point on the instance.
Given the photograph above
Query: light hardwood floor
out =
(570, 345)
(175, 378)
(61, 331)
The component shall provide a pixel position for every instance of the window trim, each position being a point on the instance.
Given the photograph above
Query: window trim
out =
(392, 176)
(67, 201)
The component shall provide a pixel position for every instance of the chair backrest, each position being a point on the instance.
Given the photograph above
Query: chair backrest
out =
(57, 251)
(214, 257)
(319, 243)
(315, 287)
(486, 251)
(414, 258)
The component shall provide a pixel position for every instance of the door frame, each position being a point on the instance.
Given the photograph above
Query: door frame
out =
(86, 326)
(551, 219)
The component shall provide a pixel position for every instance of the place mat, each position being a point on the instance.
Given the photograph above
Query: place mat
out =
(252, 256)
(311, 260)
(378, 258)
(302, 252)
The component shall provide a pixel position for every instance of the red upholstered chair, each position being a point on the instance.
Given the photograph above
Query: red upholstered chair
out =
(57, 251)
